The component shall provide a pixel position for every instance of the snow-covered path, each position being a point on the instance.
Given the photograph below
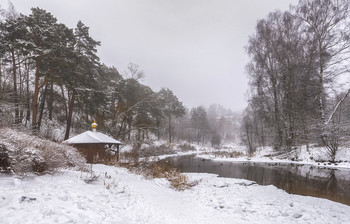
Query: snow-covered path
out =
(121, 197)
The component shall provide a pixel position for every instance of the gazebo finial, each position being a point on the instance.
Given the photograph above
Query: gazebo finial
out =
(94, 126)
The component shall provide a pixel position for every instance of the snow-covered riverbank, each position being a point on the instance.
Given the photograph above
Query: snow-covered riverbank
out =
(120, 197)
(315, 156)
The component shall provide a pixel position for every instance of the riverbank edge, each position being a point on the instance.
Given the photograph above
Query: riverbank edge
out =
(270, 160)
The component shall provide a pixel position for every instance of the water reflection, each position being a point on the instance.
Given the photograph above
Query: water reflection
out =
(333, 184)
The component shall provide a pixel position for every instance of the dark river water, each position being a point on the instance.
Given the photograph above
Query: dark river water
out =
(332, 184)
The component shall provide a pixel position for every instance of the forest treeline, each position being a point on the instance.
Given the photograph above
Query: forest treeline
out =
(51, 78)
(299, 65)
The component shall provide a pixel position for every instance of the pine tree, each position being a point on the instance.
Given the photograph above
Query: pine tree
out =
(40, 26)
(171, 106)
(85, 73)
(13, 32)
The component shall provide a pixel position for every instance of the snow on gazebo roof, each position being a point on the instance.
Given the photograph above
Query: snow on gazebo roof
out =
(90, 137)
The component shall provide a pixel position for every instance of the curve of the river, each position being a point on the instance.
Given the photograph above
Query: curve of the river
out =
(332, 184)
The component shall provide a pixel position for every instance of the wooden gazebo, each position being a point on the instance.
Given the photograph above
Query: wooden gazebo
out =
(96, 146)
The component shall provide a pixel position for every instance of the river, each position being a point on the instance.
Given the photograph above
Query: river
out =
(332, 184)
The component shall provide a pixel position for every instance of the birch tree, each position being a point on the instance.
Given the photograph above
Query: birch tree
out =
(327, 22)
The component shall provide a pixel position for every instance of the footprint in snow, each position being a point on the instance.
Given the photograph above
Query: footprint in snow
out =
(28, 199)
(221, 185)
(297, 215)
(246, 184)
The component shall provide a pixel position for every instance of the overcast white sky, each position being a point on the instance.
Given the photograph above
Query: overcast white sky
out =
(193, 47)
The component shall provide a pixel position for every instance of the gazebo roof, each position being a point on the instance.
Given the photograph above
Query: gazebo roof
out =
(92, 137)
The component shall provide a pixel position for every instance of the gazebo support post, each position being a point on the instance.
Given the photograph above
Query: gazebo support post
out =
(118, 152)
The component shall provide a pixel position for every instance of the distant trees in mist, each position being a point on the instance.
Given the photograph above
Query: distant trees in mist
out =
(214, 125)
(296, 58)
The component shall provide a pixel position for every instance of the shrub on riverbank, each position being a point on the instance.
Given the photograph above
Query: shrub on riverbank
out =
(225, 154)
(161, 169)
(150, 149)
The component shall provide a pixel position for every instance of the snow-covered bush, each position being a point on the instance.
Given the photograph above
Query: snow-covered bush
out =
(5, 161)
(5, 112)
(157, 150)
(226, 154)
(146, 151)
(90, 175)
(162, 169)
(185, 147)
(30, 154)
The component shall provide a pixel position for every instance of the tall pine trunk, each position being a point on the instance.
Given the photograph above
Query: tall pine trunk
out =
(36, 95)
(50, 102)
(42, 105)
(15, 93)
(169, 117)
(21, 89)
(27, 93)
(70, 115)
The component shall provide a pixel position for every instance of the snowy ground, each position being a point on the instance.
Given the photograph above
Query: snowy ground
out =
(120, 197)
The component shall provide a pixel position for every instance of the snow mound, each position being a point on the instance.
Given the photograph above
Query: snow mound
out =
(23, 153)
